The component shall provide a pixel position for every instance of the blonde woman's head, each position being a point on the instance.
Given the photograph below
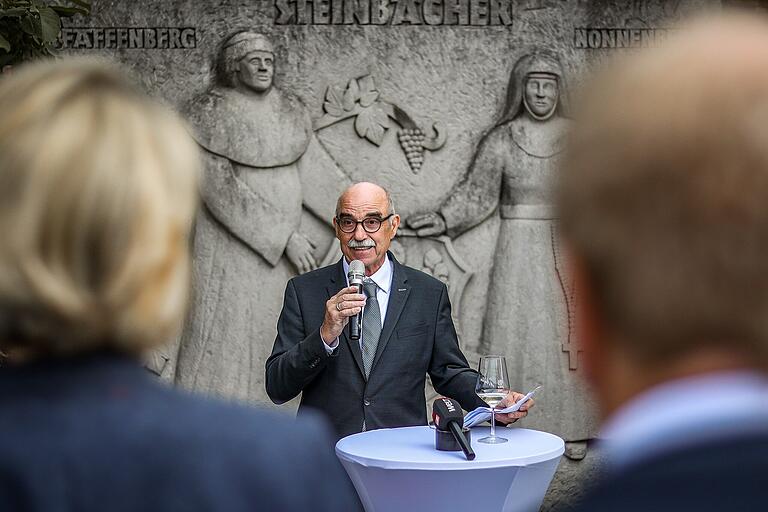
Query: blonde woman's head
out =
(97, 194)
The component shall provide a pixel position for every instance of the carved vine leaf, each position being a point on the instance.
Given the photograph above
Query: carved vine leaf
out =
(371, 123)
(351, 95)
(368, 92)
(333, 104)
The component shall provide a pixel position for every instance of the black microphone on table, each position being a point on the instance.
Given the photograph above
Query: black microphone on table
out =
(447, 415)
(355, 277)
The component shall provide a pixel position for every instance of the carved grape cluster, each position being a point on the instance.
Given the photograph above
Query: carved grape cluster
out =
(412, 142)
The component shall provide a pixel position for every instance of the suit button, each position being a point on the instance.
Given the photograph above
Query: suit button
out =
(366, 402)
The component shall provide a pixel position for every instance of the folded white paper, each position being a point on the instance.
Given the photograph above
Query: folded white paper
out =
(482, 414)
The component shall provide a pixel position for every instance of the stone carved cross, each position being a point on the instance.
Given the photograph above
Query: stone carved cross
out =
(570, 344)
(573, 353)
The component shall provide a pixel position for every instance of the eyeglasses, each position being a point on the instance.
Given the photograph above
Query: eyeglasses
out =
(370, 224)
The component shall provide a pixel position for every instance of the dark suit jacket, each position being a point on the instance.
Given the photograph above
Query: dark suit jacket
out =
(728, 475)
(418, 338)
(101, 434)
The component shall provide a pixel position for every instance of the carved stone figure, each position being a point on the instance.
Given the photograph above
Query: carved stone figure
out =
(527, 310)
(262, 166)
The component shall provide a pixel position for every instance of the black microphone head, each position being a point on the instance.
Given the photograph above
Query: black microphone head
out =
(445, 411)
(356, 271)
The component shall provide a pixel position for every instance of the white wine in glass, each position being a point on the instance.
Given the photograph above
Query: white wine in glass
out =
(492, 386)
(491, 398)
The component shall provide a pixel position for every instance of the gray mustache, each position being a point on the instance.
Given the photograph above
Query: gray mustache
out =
(354, 244)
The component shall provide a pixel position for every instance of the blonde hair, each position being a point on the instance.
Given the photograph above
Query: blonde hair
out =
(97, 195)
(663, 193)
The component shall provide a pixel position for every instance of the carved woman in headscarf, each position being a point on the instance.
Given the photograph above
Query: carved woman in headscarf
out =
(263, 168)
(527, 315)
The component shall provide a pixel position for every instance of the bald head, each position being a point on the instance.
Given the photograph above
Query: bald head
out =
(663, 192)
(367, 208)
(366, 189)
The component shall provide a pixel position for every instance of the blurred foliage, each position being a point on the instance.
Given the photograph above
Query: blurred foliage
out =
(30, 28)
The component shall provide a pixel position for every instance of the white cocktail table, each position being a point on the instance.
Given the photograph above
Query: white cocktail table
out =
(399, 470)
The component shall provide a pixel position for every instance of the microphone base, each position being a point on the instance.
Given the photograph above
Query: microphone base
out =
(444, 440)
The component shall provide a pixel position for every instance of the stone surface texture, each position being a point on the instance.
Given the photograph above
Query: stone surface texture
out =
(419, 108)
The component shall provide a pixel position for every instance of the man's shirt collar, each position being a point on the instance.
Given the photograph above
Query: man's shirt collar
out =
(382, 277)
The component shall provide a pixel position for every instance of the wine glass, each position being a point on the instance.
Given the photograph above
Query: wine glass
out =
(492, 386)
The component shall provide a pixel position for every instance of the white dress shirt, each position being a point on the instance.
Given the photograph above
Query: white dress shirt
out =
(686, 411)
(383, 280)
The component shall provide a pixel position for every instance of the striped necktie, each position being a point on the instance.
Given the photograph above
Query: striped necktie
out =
(371, 325)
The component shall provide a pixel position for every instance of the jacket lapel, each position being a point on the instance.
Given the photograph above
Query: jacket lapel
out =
(398, 295)
(339, 281)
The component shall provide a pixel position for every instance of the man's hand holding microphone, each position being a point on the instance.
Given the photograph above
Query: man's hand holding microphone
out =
(338, 309)
(341, 307)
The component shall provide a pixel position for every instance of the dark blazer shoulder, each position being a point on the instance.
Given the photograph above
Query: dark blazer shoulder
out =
(725, 475)
(176, 450)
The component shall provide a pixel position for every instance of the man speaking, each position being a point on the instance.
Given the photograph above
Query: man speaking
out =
(407, 331)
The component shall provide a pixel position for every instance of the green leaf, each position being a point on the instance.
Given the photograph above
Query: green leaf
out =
(85, 4)
(68, 12)
(13, 13)
(4, 44)
(50, 24)
(6, 59)
(31, 25)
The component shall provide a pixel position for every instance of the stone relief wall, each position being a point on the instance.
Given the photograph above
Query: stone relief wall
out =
(458, 107)
(527, 308)
(265, 173)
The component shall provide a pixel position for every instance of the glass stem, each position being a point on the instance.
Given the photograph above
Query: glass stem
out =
(493, 422)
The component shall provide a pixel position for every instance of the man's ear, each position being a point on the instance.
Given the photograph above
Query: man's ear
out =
(395, 224)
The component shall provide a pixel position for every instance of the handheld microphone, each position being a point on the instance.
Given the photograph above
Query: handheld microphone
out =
(355, 277)
(447, 415)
